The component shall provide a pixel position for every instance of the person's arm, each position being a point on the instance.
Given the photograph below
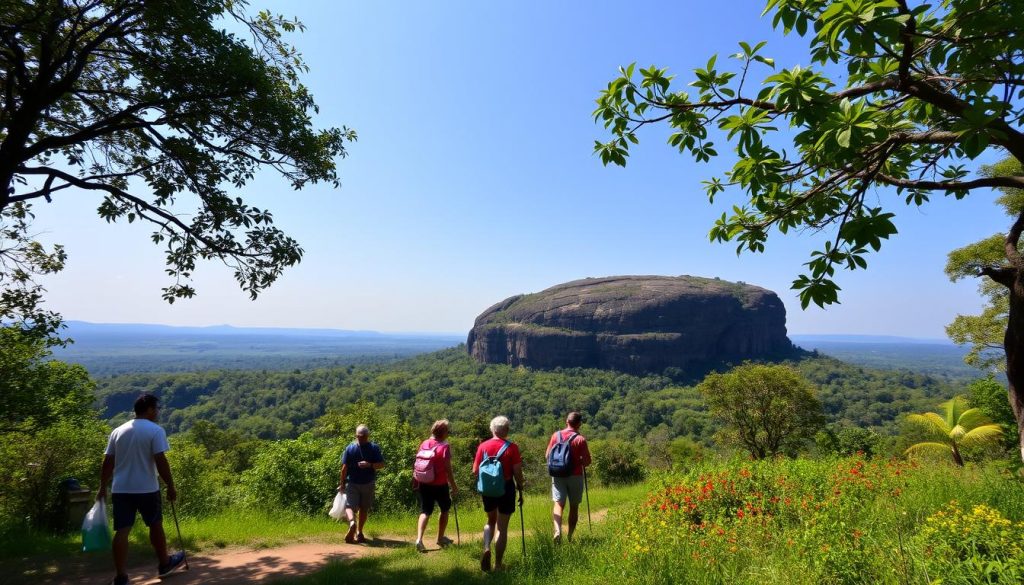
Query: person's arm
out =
(551, 444)
(379, 463)
(106, 473)
(585, 453)
(451, 475)
(164, 469)
(344, 474)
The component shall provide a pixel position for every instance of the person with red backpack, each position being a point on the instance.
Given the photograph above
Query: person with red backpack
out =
(567, 456)
(434, 482)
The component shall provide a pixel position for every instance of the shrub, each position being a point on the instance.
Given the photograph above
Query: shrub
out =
(976, 546)
(32, 466)
(618, 462)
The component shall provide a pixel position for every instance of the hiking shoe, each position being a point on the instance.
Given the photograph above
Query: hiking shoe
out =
(420, 547)
(445, 541)
(119, 580)
(485, 561)
(558, 538)
(351, 536)
(360, 539)
(173, 562)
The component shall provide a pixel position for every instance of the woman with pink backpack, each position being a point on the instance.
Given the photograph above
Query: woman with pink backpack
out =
(434, 482)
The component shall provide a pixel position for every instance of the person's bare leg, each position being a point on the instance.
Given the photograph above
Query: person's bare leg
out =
(556, 517)
(120, 548)
(500, 539)
(363, 513)
(159, 541)
(442, 524)
(574, 517)
(421, 527)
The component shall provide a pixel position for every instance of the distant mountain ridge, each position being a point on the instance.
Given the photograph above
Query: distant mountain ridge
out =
(90, 328)
(861, 338)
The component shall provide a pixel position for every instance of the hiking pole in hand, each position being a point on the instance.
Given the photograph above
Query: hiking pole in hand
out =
(458, 535)
(586, 490)
(181, 543)
(522, 523)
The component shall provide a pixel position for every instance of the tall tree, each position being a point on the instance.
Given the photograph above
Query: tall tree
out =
(154, 107)
(984, 332)
(927, 88)
(767, 410)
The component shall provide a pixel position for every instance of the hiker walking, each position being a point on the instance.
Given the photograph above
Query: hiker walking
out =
(133, 459)
(359, 465)
(434, 482)
(568, 456)
(498, 467)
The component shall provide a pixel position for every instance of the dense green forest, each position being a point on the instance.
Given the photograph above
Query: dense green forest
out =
(283, 404)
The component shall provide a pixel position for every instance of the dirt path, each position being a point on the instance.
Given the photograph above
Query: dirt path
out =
(235, 566)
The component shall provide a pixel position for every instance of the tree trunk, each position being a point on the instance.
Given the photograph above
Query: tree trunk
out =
(956, 456)
(1013, 343)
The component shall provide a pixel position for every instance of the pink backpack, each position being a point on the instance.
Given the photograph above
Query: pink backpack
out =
(423, 470)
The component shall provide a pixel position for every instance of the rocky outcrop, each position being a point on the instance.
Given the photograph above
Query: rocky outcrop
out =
(636, 324)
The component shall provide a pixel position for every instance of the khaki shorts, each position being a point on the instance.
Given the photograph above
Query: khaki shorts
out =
(570, 488)
(359, 495)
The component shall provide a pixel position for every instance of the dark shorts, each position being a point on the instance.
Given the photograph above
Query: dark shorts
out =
(428, 495)
(149, 506)
(505, 504)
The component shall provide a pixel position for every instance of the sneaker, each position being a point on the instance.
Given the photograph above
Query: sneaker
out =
(485, 561)
(420, 547)
(351, 536)
(119, 580)
(173, 562)
(445, 541)
(558, 538)
(360, 539)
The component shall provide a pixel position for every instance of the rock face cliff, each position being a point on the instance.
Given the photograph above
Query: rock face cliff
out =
(635, 324)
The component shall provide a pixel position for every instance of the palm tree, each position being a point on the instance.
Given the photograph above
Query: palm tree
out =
(955, 427)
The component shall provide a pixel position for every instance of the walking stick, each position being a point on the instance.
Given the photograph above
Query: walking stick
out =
(586, 490)
(181, 543)
(458, 535)
(522, 523)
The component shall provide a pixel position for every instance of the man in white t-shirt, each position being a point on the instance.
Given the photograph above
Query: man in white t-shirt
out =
(134, 457)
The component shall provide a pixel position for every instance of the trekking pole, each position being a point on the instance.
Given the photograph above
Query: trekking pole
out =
(586, 490)
(522, 523)
(181, 543)
(458, 535)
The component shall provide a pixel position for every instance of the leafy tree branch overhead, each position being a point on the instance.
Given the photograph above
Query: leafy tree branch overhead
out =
(153, 106)
(900, 98)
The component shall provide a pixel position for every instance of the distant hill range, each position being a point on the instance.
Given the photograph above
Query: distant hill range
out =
(108, 349)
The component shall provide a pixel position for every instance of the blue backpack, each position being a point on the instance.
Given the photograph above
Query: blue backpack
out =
(560, 456)
(491, 479)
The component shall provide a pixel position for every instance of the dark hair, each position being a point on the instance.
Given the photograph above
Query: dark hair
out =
(574, 419)
(144, 403)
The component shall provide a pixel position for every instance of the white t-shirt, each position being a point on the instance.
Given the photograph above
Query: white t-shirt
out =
(133, 446)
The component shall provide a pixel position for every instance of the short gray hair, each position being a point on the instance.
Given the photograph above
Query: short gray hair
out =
(362, 430)
(499, 426)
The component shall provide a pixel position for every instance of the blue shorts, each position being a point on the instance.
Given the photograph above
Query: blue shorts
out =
(149, 506)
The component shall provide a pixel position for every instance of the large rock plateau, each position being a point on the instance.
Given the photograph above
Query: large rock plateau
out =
(636, 324)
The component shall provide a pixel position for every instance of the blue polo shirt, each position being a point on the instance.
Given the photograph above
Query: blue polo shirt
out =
(355, 453)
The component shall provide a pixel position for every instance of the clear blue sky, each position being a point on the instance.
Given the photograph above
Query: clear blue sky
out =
(473, 180)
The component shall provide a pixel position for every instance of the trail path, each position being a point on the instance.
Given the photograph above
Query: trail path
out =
(233, 566)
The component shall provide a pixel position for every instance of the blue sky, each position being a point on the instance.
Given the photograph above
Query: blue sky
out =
(473, 180)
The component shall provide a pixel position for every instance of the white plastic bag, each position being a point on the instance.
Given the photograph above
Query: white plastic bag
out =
(338, 507)
(95, 531)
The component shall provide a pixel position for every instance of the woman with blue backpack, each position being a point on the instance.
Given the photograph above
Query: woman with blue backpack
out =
(498, 467)
(434, 482)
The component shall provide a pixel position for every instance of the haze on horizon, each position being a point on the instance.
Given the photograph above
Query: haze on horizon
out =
(473, 180)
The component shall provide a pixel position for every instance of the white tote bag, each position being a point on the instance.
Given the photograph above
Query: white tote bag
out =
(338, 507)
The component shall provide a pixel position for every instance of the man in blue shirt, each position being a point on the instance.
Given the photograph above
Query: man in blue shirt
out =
(359, 465)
